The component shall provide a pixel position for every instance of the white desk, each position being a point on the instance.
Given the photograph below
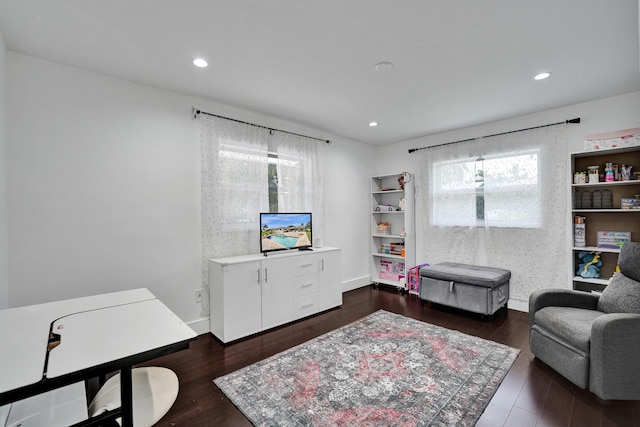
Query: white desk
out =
(97, 335)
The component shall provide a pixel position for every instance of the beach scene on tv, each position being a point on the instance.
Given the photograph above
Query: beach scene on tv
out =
(285, 231)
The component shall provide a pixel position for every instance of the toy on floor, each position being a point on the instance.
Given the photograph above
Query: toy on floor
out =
(590, 266)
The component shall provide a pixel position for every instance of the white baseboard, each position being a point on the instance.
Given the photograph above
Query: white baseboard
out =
(519, 305)
(200, 326)
(356, 283)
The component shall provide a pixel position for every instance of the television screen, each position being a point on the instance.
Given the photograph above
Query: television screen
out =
(283, 231)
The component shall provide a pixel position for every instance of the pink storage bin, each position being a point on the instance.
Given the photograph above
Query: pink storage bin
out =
(391, 276)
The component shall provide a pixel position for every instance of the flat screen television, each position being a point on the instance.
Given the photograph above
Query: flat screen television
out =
(285, 231)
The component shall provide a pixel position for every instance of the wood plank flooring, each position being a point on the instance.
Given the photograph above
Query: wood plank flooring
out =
(532, 394)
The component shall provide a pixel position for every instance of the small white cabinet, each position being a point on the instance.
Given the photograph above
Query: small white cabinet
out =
(253, 293)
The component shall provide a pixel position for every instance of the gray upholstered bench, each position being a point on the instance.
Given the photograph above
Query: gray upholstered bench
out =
(469, 287)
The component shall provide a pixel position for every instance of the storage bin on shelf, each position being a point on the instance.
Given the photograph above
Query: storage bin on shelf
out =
(396, 277)
(383, 228)
(396, 248)
(628, 203)
(612, 239)
(621, 138)
(392, 270)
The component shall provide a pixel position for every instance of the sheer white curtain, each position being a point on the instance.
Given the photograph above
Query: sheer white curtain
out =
(300, 164)
(234, 190)
(498, 201)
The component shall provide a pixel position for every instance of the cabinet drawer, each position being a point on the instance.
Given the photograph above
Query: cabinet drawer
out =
(305, 265)
(305, 305)
(305, 284)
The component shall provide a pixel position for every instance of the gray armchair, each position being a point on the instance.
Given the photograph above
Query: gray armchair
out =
(593, 340)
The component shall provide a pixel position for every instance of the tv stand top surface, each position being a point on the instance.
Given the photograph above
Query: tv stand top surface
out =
(258, 257)
(271, 253)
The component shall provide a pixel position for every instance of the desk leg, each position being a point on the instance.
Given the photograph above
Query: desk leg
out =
(126, 397)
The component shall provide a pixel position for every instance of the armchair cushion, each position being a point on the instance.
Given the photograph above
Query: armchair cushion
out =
(629, 260)
(622, 295)
(571, 325)
(560, 298)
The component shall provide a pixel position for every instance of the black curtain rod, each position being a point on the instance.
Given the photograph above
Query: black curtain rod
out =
(195, 112)
(576, 120)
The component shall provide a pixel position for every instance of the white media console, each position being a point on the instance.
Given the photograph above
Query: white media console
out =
(253, 293)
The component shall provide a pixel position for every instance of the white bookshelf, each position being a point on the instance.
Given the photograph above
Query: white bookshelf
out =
(386, 190)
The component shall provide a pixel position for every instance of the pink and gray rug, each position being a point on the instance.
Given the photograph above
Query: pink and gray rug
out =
(382, 370)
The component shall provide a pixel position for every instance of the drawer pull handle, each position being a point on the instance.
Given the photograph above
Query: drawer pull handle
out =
(306, 265)
(307, 305)
(306, 285)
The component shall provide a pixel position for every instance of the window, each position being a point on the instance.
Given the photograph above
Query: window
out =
(286, 179)
(496, 190)
(273, 183)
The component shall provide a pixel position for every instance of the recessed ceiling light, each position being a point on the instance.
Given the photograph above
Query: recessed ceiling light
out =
(383, 67)
(200, 63)
(372, 124)
(542, 76)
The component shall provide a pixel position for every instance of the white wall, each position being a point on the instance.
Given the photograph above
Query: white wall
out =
(609, 114)
(4, 274)
(348, 201)
(104, 190)
(619, 112)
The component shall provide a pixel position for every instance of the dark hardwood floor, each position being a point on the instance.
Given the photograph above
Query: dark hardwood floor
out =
(531, 394)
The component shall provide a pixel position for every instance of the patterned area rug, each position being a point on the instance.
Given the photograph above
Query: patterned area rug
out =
(382, 370)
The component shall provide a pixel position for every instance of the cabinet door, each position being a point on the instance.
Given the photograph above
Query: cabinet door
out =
(330, 283)
(242, 300)
(277, 302)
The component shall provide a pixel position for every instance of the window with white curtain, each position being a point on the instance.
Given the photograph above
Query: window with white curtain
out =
(287, 174)
(453, 196)
(512, 196)
(246, 170)
(499, 190)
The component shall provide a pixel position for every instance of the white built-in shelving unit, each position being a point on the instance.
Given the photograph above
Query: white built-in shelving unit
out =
(612, 218)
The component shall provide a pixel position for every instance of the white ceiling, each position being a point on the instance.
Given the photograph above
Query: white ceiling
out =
(456, 63)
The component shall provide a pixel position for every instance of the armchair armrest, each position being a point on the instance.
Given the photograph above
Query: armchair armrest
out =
(615, 365)
(561, 298)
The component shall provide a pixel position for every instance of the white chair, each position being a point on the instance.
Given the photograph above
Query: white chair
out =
(155, 390)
